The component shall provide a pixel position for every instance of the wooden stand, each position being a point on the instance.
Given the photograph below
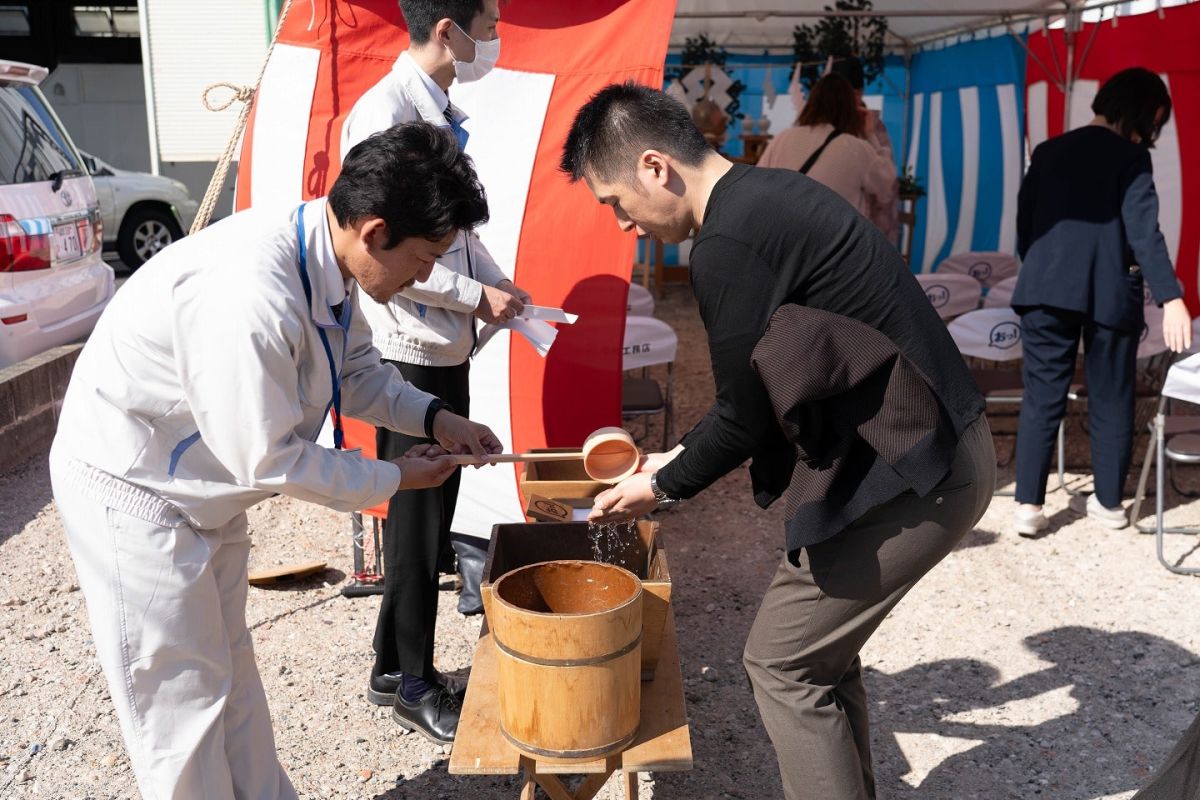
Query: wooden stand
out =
(753, 147)
(663, 742)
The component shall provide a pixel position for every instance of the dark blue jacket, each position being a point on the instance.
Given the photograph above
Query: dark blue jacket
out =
(1087, 212)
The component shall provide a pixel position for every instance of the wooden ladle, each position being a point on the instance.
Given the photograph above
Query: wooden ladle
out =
(609, 456)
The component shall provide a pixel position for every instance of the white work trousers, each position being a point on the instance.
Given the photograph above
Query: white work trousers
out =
(168, 612)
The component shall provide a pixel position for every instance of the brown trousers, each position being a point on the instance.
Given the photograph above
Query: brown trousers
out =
(802, 653)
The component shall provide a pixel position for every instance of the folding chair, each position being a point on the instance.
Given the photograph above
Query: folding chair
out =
(989, 268)
(366, 580)
(1175, 440)
(990, 339)
(1000, 295)
(640, 302)
(950, 295)
(648, 342)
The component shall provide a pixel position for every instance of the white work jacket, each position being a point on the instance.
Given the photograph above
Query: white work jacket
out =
(206, 381)
(432, 322)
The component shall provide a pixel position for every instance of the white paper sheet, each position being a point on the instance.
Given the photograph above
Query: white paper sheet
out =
(548, 314)
(539, 334)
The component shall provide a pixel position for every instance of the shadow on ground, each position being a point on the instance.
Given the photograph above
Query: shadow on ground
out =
(24, 492)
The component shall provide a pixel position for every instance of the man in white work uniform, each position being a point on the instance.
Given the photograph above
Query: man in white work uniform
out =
(427, 332)
(200, 394)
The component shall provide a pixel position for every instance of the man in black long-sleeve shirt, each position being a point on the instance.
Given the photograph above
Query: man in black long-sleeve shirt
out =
(884, 460)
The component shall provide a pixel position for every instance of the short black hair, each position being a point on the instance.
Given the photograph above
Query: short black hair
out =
(415, 178)
(620, 122)
(1131, 100)
(850, 68)
(422, 15)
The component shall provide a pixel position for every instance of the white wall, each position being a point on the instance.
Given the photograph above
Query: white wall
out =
(188, 46)
(103, 107)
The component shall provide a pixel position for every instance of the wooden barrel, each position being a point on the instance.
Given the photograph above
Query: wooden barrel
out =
(568, 638)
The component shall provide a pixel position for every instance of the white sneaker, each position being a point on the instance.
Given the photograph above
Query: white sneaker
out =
(1114, 518)
(1029, 522)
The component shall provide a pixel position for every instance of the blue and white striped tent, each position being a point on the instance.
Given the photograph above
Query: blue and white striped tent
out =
(964, 143)
(955, 108)
(961, 135)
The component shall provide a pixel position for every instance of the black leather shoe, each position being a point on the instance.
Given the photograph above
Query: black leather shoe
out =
(434, 716)
(381, 691)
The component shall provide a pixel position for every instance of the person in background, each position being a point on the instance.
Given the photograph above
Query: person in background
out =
(885, 208)
(835, 378)
(427, 332)
(827, 145)
(200, 394)
(1087, 233)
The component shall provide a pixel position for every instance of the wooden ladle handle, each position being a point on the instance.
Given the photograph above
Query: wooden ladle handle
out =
(510, 458)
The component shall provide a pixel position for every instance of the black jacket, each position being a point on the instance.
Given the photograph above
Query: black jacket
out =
(1087, 211)
(771, 238)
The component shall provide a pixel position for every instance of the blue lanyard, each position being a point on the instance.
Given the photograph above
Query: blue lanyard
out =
(336, 402)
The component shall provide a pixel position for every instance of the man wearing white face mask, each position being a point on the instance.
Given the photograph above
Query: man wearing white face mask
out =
(428, 333)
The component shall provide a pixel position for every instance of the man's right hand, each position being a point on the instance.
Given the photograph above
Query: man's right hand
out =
(653, 462)
(497, 305)
(422, 472)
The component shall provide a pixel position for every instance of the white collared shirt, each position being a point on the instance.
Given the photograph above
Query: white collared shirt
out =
(430, 323)
(206, 380)
(337, 287)
(404, 94)
(440, 98)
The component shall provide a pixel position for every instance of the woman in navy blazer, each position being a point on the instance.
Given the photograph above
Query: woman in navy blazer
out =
(1087, 232)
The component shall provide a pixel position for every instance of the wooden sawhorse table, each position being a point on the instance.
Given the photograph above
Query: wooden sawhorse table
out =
(662, 744)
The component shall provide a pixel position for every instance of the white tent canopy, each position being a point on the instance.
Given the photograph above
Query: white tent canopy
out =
(759, 24)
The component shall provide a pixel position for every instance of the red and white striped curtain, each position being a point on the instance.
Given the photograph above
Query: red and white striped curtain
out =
(555, 240)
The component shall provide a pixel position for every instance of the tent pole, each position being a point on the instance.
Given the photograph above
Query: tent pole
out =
(907, 133)
(1074, 20)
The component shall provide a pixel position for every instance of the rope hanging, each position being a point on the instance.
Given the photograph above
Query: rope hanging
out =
(244, 95)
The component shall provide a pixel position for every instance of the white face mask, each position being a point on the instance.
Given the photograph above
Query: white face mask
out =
(486, 56)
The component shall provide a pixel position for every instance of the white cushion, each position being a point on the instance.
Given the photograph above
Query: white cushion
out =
(989, 268)
(1000, 295)
(648, 341)
(950, 295)
(993, 334)
(640, 302)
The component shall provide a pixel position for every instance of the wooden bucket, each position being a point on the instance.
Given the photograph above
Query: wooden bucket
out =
(568, 640)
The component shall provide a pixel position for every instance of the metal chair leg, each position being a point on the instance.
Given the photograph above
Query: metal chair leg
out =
(1160, 447)
(1140, 495)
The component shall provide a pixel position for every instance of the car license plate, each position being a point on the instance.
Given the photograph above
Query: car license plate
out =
(66, 243)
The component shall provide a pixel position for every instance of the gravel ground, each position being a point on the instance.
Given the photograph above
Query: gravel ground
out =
(1064, 666)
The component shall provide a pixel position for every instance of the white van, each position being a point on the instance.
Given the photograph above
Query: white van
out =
(53, 281)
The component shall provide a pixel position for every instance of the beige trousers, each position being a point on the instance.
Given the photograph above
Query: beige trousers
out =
(167, 605)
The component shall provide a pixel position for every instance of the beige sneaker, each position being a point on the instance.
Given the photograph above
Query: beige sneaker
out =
(1029, 522)
(1114, 518)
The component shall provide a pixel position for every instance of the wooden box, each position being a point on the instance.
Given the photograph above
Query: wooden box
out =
(559, 480)
(515, 545)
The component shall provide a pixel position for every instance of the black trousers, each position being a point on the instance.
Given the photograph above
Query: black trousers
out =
(415, 534)
(1050, 339)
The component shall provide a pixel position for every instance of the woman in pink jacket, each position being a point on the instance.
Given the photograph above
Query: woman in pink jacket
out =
(831, 144)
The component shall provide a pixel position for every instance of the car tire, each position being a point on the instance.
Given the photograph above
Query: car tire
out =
(144, 232)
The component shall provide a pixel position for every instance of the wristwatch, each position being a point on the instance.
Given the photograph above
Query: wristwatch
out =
(660, 497)
(435, 405)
